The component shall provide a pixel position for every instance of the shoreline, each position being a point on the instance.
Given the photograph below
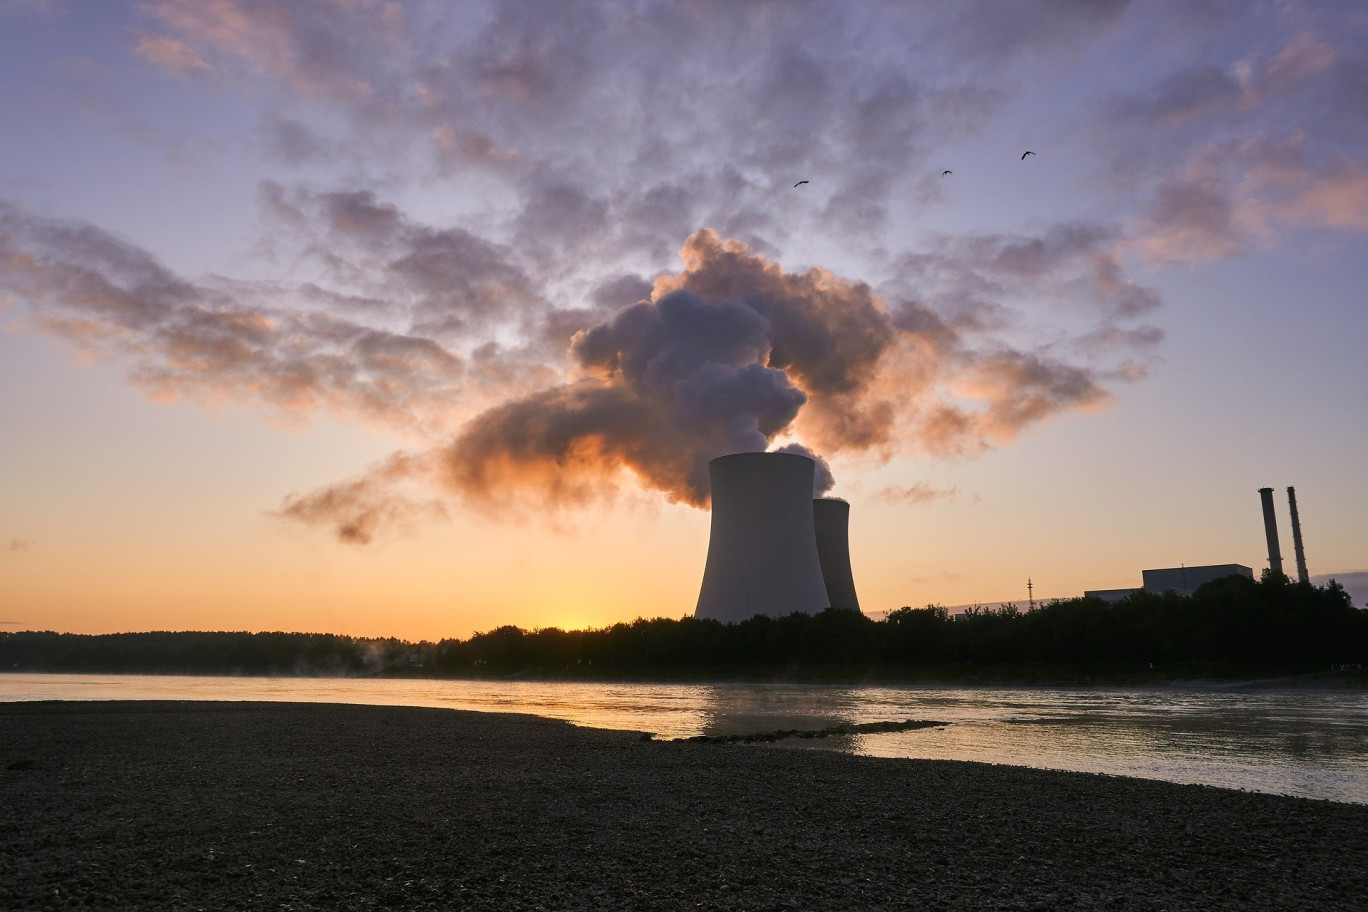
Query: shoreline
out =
(994, 677)
(318, 806)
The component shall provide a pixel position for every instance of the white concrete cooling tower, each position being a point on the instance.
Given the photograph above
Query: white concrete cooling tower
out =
(831, 517)
(762, 552)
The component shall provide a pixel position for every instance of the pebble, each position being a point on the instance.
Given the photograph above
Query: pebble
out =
(287, 806)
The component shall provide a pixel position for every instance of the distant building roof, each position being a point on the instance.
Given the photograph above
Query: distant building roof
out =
(1186, 580)
(1111, 595)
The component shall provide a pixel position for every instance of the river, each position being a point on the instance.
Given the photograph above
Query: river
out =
(1312, 743)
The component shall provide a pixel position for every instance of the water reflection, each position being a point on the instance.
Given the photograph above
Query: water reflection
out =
(744, 710)
(1310, 743)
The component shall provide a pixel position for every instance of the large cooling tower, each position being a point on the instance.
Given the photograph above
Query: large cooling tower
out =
(762, 552)
(831, 517)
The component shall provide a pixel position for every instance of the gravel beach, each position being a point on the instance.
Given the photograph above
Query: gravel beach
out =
(179, 805)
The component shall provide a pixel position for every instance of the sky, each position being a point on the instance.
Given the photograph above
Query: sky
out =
(420, 318)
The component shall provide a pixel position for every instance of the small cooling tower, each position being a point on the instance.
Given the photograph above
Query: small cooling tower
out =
(831, 517)
(762, 551)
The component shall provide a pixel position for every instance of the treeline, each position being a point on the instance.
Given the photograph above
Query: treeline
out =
(1233, 623)
(203, 653)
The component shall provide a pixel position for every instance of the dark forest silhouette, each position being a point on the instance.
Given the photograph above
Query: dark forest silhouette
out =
(1228, 625)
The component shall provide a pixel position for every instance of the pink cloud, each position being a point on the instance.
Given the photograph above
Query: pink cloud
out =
(1338, 199)
(169, 54)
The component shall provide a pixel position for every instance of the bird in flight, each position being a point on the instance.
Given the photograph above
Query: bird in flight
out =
(943, 173)
(800, 183)
(1024, 154)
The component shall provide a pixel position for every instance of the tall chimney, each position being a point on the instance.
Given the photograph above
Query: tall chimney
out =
(1302, 575)
(831, 516)
(762, 550)
(1271, 531)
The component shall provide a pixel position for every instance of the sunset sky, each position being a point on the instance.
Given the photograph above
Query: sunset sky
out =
(420, 318)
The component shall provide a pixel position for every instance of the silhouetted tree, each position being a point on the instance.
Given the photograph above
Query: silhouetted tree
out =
(1273, 623)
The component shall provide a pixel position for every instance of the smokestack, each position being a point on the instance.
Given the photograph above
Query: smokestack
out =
(762, 551)
(831, 517)
(1302, 575)
(1271, 531)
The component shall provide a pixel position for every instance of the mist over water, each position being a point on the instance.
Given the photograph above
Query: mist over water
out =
(1312, 744)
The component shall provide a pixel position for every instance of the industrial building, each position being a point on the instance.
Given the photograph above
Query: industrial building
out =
(773, 549)
(1111, 595)
(1186, 580)
(1182, 580)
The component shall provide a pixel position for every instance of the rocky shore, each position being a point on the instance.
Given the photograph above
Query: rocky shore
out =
(176, 805)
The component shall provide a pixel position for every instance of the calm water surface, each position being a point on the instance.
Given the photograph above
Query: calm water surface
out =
(1290, 742)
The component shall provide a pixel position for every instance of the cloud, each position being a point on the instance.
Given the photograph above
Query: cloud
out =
(967, 281)
(733, 353)
(170, 55)
(1304, 57)
(448, 340)
(621, 131)
(18, 544)
(361, 508)
(543, 357)
(293, 142)
(446, 283)
(281, 345)
(1193, 219)
(719, 360)
(982, 29)
(612, 134)
(918, 493)
(1182, 98)
(538, 351)
(1214, 211)
(1335, 198)
(1108, 337)
(730, 354)
(1230, 152)
(1021, 389)
(312, 45)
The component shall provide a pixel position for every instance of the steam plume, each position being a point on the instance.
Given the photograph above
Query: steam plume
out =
(731, 354)
(720, 359)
